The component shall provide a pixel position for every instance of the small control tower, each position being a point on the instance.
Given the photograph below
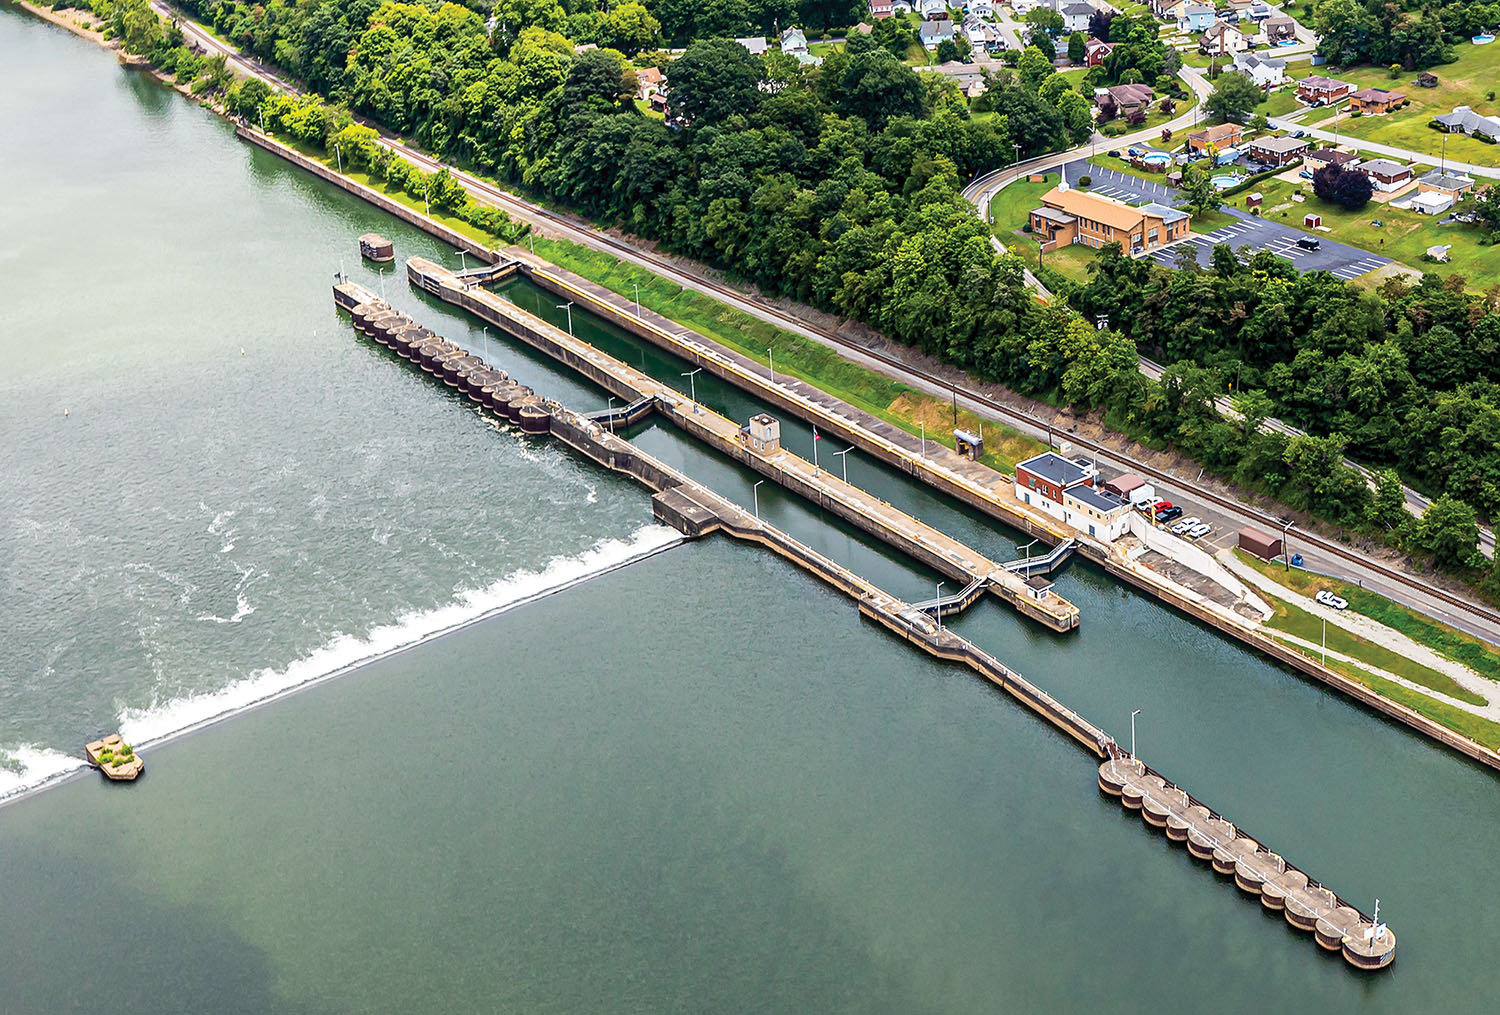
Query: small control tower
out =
(762, 434)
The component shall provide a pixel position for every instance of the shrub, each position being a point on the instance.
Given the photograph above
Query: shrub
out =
(1490, 95)
(1085, 181)
(1355, 113)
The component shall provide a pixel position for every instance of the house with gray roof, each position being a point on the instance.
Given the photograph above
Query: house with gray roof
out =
(1464, 120)
(934, 33)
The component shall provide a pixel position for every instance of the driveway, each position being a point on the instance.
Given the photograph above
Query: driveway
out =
(1118, 185)
(1340, 259)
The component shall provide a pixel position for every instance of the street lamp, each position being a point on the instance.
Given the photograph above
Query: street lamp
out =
(611, 415)
(1017, 146)
(843, 455)
(755, 492)
(923, 425)
(771, 359)
(691, 375)
(486, 331)
(568, 306)
(339, 154)
(1286, 553)
(637, 300)
(1132, 733)
(938, 606)
(463, 260)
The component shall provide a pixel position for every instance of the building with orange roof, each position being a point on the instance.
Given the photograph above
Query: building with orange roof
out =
(1075, 216)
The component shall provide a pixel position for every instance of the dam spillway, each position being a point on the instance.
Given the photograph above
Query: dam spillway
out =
(697, 511)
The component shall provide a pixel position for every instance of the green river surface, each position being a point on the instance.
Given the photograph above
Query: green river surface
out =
(696, 783)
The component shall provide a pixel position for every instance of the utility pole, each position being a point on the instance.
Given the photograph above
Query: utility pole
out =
(755, 492)
(568, 306)
(1132, 733)
(692, 376)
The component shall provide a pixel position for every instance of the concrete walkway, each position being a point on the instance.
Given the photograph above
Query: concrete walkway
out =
(1373, 631)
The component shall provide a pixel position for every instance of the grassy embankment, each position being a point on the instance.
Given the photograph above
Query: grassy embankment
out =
(1471, 80)
(1446, 641)
(796, 356)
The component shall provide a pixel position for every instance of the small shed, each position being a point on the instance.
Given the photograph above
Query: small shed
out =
(1125, 485)
(970, 445)
(1311, 220)
(1427, 79)
(1254, 200)
(1440, 252)
(1259, 543)
(1038, 588)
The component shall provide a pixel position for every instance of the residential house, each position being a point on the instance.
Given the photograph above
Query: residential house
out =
(880, 8)
(968, 77)
(1385, 174)
(1318, 90)
(794, 43)
(1238, 9)
(1168, 10)
(1464, 120)
(1194, 17)
(1074, 216)
(935, 33)
(755, 44)
(1129, 98)
(1320, 157)
(1440, 181)
(980, 9)
(1277, 151)
(1279, 29)
(1265, 72)
(901, 6)
(932, 10)
(1427, 79)
(1260, 11)
(1042, 480)
(1215, 139)
(1076, 16)
(648, 81)
(1021, 8)
(1374, 100)
(1095, 51)
(1222, 40)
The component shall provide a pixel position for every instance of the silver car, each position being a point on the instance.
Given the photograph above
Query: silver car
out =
(1199, 530)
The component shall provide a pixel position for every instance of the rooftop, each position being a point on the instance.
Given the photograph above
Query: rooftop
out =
(1166, 213)
(1053, 466)
(1279, 145)
(1377, 95)
(1447, 181)
(1097, 499)
(1383, 167)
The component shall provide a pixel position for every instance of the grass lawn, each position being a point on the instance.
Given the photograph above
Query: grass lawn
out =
(1071, 261)
(1467, 81)
(1298, 622)
(1009, 207)
(1455, 645)
(1280, 103)
(1404, 237)
(644, 105)
(800, 357)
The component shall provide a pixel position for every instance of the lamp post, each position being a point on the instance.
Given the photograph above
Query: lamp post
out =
(938, 606)
(755, 492)
(568, 306)
(637, 300)
(771, 359)
(338, 153)
(486, 331)
(611, 415)
(692, 375)
(1286, 553)
(1017, 146)
(1132, 733)
(924, 438)
(463, 260)
(843, 455)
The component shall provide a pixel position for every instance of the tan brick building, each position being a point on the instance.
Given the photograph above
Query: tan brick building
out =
(1074, 216)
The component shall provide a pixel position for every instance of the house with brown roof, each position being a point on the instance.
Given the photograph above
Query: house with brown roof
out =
(648, 81)
(1075, 216)
(1375, 100)
(1094, 52)
(1277, 151)
(1223, 39)
(1215, 139)
(1315, 89)
(1129, 98)
(1320, 157)
(1278, 29)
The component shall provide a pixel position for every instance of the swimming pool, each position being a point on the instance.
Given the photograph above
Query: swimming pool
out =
(1156, 158)
(1483, 39)
(1225, 182)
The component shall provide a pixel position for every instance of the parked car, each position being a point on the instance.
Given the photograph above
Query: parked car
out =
(1309, 242)
(1113, 153)
(1187, 523)
(1200, 530)
(1329, 599)
(1299, 133)
(1168, 515)
(1306, 174)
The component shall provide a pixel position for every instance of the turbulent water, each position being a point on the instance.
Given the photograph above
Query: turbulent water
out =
(694, 783)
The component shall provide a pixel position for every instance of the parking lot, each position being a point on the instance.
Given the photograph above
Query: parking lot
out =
(1251, 231)
(1340, 259)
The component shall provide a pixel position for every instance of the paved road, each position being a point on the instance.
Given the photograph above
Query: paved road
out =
(698, 280)
(1403, 154)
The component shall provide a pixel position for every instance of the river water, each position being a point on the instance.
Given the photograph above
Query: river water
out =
(694, 783)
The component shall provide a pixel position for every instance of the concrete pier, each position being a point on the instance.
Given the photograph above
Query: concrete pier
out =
(912, 536)
(697, 511)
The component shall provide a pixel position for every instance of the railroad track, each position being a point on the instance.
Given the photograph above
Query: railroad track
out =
(999, 409)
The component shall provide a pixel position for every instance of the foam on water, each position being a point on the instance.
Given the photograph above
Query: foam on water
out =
(28, 766)
(144, 726)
